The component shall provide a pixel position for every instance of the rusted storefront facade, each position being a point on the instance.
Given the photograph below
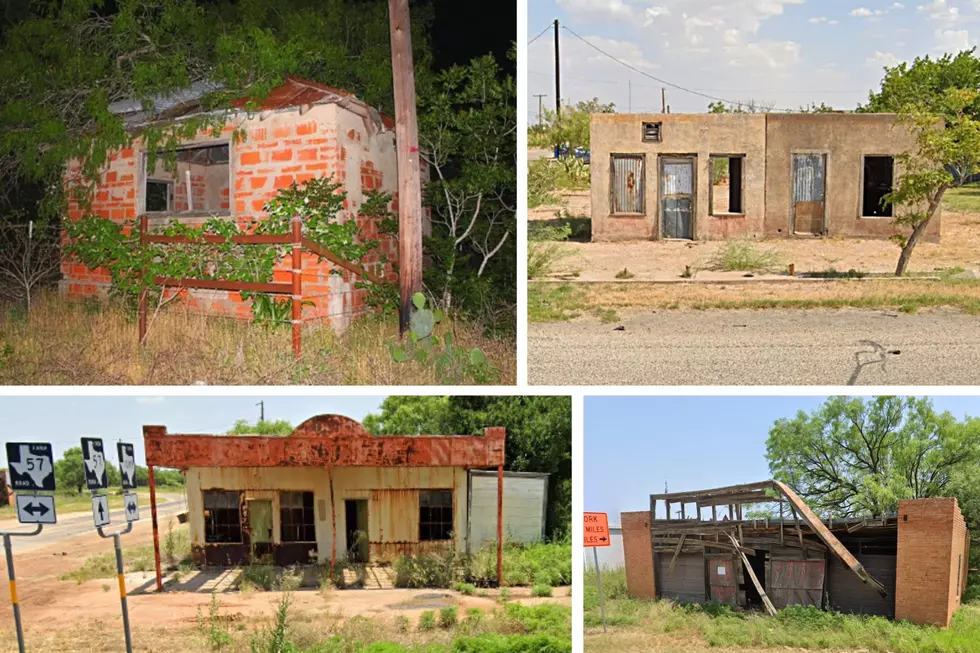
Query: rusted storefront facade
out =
(714, 176)
(330, 491)
(704, 547)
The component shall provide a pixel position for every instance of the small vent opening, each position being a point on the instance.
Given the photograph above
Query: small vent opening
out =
(651, 131)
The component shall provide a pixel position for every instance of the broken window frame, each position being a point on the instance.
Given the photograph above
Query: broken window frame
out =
(642, 183)
(711, 184)
(435, 526)
(213, 525)
(145, 177)
(891, 208)
(299, 521)
(649, 126)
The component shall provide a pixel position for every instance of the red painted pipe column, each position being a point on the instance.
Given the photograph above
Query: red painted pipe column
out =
(297, 298)
(500, 525)
(156, 532)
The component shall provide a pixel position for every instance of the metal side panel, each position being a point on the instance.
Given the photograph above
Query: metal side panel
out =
(796, 582)
(846, 593)
(686, 582)
(627, 184)
(722, 580)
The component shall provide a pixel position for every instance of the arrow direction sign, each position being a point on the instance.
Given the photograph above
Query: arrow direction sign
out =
(31, 466)
(596, 529)
(131, 506)
(93, 456)
(100, 509)
(127, 465)
(35, 509)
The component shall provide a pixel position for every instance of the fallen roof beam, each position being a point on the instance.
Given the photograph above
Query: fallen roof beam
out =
(770, 608)
(675, 497)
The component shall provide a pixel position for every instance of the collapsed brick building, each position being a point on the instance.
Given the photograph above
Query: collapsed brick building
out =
(301, 130)
(715, 176)
(331, 491)
(908, 566)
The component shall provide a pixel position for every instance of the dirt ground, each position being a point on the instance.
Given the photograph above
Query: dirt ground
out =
(959, 246)
(49, 603)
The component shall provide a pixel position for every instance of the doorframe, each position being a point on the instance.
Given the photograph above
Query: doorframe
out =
(792, 199)
(367, 526)
(663, 159)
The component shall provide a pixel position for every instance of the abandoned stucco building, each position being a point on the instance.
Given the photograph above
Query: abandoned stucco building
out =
(714, 176)
(331, 491)
(301, 130)
(699, 546)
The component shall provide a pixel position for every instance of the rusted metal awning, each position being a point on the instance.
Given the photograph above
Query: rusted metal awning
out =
(323, 441)
(738, 495)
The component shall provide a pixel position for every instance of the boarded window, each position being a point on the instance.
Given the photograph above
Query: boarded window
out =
(651, 132)
(195, 179)
(627, 184)
(435, 514)
(878, 177)
(296, 517)
(726, 184)
(222, 516)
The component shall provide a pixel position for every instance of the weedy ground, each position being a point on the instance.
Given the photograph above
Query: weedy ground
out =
(66, 341)
(635, 625)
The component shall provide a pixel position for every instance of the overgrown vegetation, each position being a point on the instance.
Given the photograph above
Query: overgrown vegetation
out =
(139, 558)
(668, 625)
(744, 256)
(545, 249)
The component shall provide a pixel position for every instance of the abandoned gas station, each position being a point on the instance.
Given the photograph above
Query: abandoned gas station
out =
(332, 491)
(696, 547)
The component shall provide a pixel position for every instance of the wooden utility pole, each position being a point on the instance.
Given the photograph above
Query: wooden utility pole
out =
(540, 97)
(557, 76)
(407, 151)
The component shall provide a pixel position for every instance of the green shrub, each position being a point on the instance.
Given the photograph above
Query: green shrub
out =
(424, 570)
(541, 590)
(427, 620)
(513, 644)
(260, 577)
(540, 563)
(542, 182)
(447, 617)
(469, 589)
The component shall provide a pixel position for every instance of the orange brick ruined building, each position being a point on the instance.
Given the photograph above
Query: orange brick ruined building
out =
(302, 130)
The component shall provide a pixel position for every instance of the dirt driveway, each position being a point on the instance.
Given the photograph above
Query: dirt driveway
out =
(666, 260)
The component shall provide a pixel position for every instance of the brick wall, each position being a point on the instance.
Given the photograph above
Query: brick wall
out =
(638, 554)
(931, 556)
(278, 149)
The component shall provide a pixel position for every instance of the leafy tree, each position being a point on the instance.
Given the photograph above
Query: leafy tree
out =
(817, 108)
(168, 477)
(69, 470)
(574, 128)
(539, 435)
(854, 457)
(948, 136)
(467, 135)
(749, 106)
(262, 427)
(924, 83)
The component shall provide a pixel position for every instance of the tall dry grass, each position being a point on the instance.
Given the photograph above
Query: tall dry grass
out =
(68, 341)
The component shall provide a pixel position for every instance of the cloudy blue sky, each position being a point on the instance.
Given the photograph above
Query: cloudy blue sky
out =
(784, 52)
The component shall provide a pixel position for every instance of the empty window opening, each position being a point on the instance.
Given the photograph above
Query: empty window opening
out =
(651, 131)
(222, 517)
(726, 185)
(435, 514)
(878, 179)
(193, 180)
(627, 184)
(296, 517)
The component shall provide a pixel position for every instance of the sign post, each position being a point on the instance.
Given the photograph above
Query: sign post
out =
(597, 534)
(31, 470)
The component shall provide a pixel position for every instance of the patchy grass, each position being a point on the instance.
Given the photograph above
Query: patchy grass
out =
(555, 302)
(965, 199)
(638, 625)
(68, 341)
(508, 629)
(744, 256)
(135, 558)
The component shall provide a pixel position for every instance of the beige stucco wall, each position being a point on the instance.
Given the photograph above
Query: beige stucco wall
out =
(392, 516)
(845, 140)
(681, 134)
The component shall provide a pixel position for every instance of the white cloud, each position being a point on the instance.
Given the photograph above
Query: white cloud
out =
(940, 10)
(864, 12)
(601, 9)
(952, 40)
(823, 20)
(881, 59)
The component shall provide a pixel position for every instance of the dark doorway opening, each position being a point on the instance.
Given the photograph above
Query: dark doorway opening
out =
(878, 176)
(726, 185)
(356, 524)
(752, 596)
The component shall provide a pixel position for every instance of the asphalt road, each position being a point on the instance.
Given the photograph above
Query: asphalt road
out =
(758, 347)
(80, 523)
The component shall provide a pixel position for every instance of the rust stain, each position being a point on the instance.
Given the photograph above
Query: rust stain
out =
(324, 440)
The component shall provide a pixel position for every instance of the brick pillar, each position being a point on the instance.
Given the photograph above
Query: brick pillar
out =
(931, 558)
(638, 554)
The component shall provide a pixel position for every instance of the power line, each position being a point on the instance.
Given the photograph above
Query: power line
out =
(539, 35)
(646, 74)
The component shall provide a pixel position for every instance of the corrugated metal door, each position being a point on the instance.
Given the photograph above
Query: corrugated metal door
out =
(393, 521)
(525, 503)
(686, 582)
(809, 186)
(848, 593)
(677, 198)
(721, 578)
(796, 582)
(627, 184)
